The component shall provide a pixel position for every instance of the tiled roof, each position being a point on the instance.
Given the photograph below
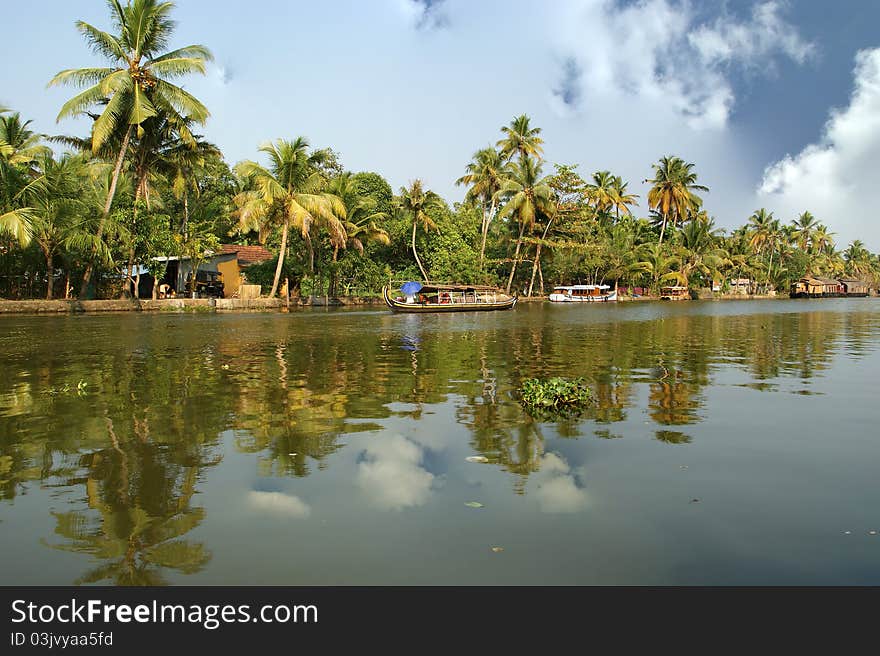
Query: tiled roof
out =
(247, 254)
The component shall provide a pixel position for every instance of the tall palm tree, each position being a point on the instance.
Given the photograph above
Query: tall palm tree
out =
(600, 192)
(804, 230)
(136, 86)
(765, 235)
(672, 193)
(527, 195)
(290, 193)
(659, 264)
(485, 176)
(857, 258)
(701, 250)
(521, 139)
(621, 198)
(416, 202)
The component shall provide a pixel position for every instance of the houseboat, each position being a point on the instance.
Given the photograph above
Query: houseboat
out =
(816, 287)
(674, 293)
(583, 294)
(853, 287)
(446, 297)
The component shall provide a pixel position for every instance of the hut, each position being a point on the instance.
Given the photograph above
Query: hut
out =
(674, 293)
(816, 287)
(854, 287)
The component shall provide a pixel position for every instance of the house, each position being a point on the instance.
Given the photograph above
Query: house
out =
(816, 287)
(740, 286)
(244, 256)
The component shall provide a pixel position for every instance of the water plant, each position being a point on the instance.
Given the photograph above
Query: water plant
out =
(552, 397)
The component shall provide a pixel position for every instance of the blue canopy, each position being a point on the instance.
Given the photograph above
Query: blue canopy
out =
(411, 288)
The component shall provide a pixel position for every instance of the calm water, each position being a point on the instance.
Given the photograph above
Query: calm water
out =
(732, 443)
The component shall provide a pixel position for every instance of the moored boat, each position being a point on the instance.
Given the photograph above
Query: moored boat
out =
(674, 293)
(582, 294)
(447, 297)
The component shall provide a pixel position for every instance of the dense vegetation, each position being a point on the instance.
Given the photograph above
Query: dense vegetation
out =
(144, 184)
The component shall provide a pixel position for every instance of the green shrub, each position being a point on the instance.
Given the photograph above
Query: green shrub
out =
(552, 397)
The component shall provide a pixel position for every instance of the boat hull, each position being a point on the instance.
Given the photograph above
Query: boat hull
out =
(603, 298)
(399, 306)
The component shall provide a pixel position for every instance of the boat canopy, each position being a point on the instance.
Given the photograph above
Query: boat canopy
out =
(585, 287)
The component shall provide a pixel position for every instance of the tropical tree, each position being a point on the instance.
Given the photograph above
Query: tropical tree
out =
(418, 204)
(290, 193)
(765, 235)
(672, 192)
(701, 252)
(527, 194)
(804, 230)
(857, 258)
(521, 139)
(137, 85)
(485, 176)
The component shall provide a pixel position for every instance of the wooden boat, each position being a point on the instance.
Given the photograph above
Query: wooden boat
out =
(675, 293)
(583, 294)
(442, 297)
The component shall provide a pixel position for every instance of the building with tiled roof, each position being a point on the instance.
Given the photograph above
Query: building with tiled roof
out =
(247, 255)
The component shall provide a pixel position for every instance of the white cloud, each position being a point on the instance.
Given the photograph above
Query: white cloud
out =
(557, 488)
(659, 50)
(279, 503)
(391, 474)
(836, 177)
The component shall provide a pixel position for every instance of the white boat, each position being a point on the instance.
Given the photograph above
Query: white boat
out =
(583, 294)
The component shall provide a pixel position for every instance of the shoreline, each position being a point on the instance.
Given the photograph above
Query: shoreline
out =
(230, 305)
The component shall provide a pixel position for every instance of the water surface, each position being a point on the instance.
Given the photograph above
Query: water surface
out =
(731, 443)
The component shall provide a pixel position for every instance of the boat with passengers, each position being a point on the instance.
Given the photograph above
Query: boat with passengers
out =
(446, 297)
(583, 294)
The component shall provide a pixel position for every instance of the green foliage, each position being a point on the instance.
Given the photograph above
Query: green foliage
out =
(549, 398)
(263, 274)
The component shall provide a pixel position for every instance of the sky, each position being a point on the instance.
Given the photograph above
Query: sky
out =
(776, 102)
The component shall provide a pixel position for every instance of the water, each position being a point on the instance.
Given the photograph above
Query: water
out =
(732, 443)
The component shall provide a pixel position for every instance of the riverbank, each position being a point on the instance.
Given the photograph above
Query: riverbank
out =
(176, 305)
(266, 304)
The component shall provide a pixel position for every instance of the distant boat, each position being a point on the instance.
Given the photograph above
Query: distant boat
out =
(675, 293)
(447, 297)
(583, 294)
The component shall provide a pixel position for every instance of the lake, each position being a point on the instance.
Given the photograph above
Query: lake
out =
(730, 443)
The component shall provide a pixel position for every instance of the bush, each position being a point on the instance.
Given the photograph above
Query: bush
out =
(552, 397)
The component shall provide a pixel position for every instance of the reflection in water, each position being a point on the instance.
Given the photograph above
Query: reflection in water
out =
(123, 463)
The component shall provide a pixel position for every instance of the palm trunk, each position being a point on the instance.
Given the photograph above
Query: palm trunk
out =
(87, 276)
(280, 259)
(486, 219)
(185, 212)
(662, 229)
(51, 274)
(155, 288)
(522, 229)
(416, 255)
(540, 277)
(537, 261)
(331, 286)
(769, 267)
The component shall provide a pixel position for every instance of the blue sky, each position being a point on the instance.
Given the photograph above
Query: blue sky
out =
(777, 103)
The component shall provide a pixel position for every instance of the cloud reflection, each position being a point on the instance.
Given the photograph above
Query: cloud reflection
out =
(558, 488)
(391, 475)
(280, 503)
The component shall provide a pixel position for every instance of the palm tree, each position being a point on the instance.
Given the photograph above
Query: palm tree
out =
(521, 139)
(290, 193)
(19, 151)
(701, 251)
(527, 195)
(661, 265)
(601, 192)
(672, 193)
(804, 230)
(621, 199)
(857, 258)
(416, 203)
(58, 210)
(485, 176)
(765, 235)
(136, 86)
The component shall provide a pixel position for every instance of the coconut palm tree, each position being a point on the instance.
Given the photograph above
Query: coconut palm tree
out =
(661, 265)
(672, 194)
(521, 139)
(485, 176)
(290, 193)
(621, 198)
(804, 229)
(136, 86)
(416, 203)
(701, 250)
(527, 195)
(857, 258)
(600, 192)
(19, 151)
